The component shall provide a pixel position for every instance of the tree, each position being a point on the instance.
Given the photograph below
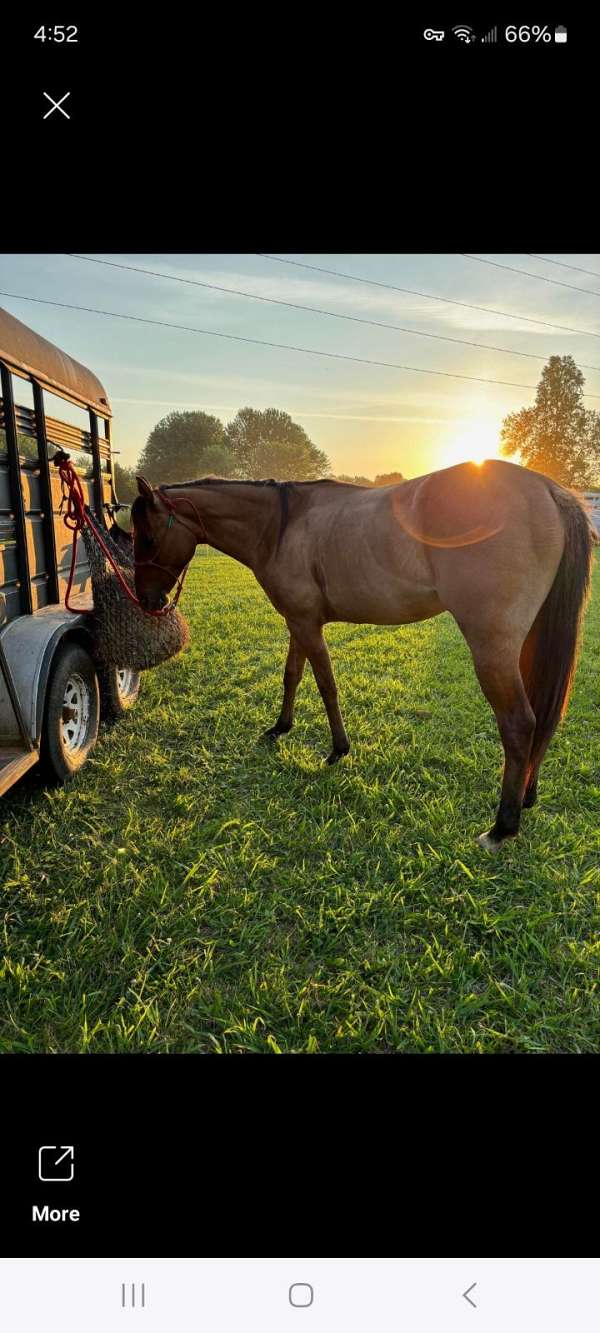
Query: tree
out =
(354, 481)
(388, 479)
(558, 435)
(26, 444)
(125, 483)
(183, 446)
(270, 444)
(382, 479)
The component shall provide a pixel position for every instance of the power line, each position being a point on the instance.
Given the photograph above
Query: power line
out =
(524, 273)
(593, 273)
(285, 347)
(410, 291)
(315, 310)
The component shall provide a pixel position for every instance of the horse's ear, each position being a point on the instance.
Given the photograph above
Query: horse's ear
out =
(145, 489)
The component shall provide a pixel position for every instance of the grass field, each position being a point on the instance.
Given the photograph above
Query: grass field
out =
(196, 891)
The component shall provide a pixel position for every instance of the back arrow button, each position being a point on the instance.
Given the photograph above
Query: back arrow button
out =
(467, 1297)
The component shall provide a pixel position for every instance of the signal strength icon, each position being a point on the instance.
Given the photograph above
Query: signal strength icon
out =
(492, 36)
(464, 33)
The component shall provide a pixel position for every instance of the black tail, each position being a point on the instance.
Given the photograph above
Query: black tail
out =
(549, 655)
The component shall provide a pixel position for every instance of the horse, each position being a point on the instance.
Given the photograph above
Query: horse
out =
(506, 550)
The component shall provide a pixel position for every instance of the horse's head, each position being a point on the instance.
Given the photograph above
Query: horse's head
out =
(163, 544)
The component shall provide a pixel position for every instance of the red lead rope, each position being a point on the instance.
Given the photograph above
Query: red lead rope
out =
(75, 518)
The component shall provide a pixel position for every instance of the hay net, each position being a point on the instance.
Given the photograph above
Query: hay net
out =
(123, 635)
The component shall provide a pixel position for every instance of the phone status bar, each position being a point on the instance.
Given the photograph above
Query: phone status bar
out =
(463, 34)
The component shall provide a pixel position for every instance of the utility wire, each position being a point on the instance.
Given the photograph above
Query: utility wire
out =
(285, 347)
(315, 310)
(593, 273)
(410, 291)
(524, 273)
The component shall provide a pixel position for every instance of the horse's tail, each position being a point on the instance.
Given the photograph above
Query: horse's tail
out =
(549, 654)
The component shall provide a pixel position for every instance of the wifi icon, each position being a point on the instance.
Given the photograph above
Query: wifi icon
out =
(464, 33)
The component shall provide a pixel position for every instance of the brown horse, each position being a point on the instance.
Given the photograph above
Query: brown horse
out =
(507, 551)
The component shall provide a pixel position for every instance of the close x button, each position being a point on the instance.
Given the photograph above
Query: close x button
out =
(57, 106)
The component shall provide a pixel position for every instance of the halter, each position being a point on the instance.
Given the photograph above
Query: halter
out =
(174, 517)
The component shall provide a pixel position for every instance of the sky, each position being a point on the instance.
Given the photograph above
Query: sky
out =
(367, 418)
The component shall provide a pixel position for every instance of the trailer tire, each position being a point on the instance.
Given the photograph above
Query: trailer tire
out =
(119, 690)
(71, 714)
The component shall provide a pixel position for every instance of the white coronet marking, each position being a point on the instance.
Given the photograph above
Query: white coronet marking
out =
(488, 843)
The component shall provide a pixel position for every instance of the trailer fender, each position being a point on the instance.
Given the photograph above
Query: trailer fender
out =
(30, 644)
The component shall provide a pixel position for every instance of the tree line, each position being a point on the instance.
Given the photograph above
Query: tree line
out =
(558, 435)
(186, 445)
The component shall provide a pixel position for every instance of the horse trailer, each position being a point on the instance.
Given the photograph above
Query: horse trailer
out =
(593, 501)
(52, 690)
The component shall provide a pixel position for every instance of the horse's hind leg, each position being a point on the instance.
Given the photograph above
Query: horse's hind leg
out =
(526, 666)
(500, 679)
(292, 676)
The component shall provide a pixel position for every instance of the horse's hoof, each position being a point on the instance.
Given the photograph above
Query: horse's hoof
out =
(490, 844)
(270, 736)
(337, 754)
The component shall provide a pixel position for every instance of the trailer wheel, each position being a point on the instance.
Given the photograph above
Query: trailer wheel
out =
(71, 714)
(119, 690)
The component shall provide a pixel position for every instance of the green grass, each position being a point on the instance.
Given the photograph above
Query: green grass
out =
(193, 890)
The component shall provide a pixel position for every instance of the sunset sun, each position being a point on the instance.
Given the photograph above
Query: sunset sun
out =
(471, 443)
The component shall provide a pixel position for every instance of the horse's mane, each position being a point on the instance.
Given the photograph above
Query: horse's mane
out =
(243, 481)
(284, 488)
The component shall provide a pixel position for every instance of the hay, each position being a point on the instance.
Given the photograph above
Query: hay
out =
(123, 635)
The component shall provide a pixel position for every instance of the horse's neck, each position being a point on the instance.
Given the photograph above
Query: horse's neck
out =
(239, 519)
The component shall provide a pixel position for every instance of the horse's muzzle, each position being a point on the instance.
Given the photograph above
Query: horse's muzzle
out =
(154, 602)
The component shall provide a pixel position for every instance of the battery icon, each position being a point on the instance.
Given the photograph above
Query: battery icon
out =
(560, 34)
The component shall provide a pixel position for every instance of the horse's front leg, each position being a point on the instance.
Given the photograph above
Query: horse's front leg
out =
(311, 641)
(294, 669)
